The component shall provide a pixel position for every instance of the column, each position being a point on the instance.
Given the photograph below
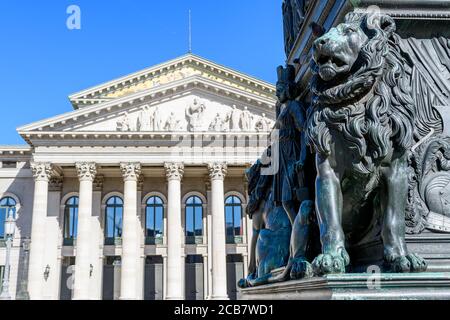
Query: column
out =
(209, 233)
(42, 173)
(217, 172)
(205, 277)
(130, 238)
(140, 232)
(245, 261)
(165, 276)
(86, 175)
(98, 238)
(53, 236)
(175, 265)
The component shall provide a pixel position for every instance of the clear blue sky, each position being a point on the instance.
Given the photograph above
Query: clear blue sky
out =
(42, 62)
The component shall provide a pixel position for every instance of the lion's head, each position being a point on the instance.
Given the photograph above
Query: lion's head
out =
(336, 52)
(350, 57)
(361, 90)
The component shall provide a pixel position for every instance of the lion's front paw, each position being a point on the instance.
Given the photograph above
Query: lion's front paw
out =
(331, 262)
(242, 283)
(301, 269)
(245, 282)
(409, 263)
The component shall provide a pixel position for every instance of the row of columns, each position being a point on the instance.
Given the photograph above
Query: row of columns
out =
(130, 282)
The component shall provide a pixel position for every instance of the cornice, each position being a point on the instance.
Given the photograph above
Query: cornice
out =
(91, 94)
(15, 150)
(411, 9)
(109, 138)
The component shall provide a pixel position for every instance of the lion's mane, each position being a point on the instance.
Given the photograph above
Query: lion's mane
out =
(372, 108)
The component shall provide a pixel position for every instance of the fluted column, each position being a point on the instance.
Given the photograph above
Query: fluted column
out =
(175, 265)
(130, 237)
(217, 172)
(86, 175)
(42, 173)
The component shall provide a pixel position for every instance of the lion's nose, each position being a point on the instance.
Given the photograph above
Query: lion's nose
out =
(319, 43)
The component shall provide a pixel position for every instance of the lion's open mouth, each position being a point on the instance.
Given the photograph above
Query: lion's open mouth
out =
(332, 61)
(330, 66)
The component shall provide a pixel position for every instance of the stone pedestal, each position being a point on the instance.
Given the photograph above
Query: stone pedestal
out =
(361, 286)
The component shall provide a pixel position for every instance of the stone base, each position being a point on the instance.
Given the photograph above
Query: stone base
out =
(359, 286)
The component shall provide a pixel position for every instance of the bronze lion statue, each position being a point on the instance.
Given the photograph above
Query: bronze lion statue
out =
(362, 127)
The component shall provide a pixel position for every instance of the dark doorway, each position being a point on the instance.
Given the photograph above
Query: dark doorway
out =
(194, 285)
(67, 278)
(111, 278)
(235, 272)
(154, 277)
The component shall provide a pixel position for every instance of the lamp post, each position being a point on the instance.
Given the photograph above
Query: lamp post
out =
(10, 226)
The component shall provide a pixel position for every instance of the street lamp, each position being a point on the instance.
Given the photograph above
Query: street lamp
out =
(10, 227)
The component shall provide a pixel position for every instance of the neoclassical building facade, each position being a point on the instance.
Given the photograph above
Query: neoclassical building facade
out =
(140, 191)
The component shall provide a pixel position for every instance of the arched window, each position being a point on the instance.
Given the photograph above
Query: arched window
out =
(194, 220)
(233, 219)
(154, 215)
(7, 206)
(113, 220)
(70, 221)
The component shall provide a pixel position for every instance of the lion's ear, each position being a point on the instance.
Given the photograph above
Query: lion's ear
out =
(387, 24)
(317, 29)
(381, 21)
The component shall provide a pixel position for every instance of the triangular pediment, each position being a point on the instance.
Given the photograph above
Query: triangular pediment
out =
(186, 67)
(195, 103)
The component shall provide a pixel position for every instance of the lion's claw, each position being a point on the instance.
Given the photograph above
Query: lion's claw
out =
(301, 269)
(408, 263)
(331, 262)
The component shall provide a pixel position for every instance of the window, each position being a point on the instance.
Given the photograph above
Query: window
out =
(233, 219)
(7, 205)
(113, 220)
(194, 220)
(70, 221)
(9, 164)
(154, 215)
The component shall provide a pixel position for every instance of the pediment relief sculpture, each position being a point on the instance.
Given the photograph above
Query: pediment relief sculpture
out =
(172, 123)
(195, 115)
(235, 119)
(218, 124)
(263, 124)
(123, 124)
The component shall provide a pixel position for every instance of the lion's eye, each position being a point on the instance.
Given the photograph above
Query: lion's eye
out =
(350, 30)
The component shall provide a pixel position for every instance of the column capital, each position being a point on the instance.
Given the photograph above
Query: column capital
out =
(86, 171)
(217, 170)
(42, 171)
(130, 171)
(174, 171)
